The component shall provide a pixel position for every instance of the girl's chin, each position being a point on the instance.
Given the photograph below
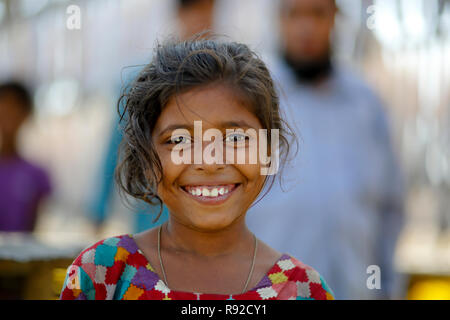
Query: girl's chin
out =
(211, 224)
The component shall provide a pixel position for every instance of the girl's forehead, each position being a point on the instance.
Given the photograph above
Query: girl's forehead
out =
(216, 106)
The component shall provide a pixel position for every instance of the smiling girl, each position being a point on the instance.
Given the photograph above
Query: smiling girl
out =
(204, 250)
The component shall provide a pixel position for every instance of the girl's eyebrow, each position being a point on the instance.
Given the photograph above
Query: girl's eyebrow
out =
(226, 124)
(235, 124)
(173, 127)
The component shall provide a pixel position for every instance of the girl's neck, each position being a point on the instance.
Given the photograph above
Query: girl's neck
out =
(183, 239)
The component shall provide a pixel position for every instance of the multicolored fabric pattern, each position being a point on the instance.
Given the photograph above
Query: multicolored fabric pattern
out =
(115, 268)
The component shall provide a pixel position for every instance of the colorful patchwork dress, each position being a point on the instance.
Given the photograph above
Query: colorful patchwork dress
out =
(115, 268)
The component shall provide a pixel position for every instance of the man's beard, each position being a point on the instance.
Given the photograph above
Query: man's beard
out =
(310, 71)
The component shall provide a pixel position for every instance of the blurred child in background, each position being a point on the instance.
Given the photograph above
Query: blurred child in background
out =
(23, 185)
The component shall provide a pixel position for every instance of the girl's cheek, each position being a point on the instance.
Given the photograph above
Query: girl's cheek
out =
(171, 170)
(164, 157)
(252, 173)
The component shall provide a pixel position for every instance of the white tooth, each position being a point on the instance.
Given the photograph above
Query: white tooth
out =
(205, 192)
(214, 192)
(193, 192)
(226, 191)
(198, 192)
(221, 191)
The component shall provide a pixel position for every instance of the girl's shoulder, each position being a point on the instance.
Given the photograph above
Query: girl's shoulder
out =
(309, 283)
(97, 270)
(108, 251)
(291, 278)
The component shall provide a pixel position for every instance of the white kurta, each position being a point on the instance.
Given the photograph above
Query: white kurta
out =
(343, 207)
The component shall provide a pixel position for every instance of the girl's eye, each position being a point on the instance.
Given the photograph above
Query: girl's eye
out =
(179, 140)
(236, 137)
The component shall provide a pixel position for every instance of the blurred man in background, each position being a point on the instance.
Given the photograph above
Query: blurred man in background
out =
(193, 17)
(23, 185)
(342, 210)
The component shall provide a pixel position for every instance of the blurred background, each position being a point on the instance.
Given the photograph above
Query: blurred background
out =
(75, 69)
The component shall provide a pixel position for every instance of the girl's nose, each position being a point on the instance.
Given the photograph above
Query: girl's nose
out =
(212, 157)
(210, 168)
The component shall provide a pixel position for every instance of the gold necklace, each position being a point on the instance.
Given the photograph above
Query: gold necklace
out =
(164, 273)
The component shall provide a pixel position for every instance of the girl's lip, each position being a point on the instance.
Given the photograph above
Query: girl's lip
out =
(213, 200)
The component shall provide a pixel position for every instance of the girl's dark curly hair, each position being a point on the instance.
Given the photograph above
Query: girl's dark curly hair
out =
(176, 68)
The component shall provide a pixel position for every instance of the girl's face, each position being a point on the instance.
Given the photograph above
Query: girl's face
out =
(204, 196)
